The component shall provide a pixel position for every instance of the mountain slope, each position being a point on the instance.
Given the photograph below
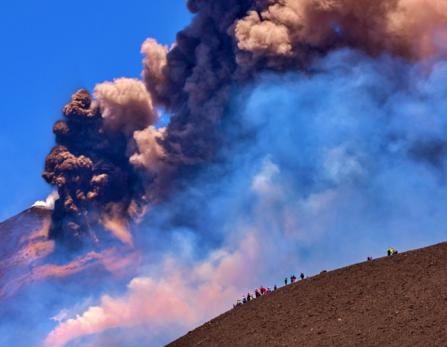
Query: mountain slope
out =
(15, 230)
(398, 301)
(28, 256)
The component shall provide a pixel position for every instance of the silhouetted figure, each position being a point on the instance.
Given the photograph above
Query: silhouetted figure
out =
(369, 258)
(257, 293)
(302, 276)
(262, 290)
(391, 251)
(244, 300)
(285, 281)
(292, 279)
(275, 288)
(249, 298)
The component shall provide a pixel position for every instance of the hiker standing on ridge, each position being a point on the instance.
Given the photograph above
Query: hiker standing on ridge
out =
(285, 281)
(391, 251)
(302, 276)
(292, 279)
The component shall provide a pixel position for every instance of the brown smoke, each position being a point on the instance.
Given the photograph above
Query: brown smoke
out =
(125, 105)
(294, 29)
(110, 160)
(230, 42)
(90, 164)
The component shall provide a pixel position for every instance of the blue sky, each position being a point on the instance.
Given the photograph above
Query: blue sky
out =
(51, 48)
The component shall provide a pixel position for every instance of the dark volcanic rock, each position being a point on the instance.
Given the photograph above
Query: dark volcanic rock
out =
(394, 301)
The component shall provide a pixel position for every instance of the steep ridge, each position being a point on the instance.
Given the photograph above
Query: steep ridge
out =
(24, 243)
(15, 229)
(395, 301)
(29, 256)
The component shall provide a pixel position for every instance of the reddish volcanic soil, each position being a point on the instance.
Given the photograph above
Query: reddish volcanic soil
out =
(393, 301)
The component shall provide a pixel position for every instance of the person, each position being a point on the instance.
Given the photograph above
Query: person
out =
(257, 293)
(292, 279)
(262, 290)
(249, 298)
(275, 288)
(391, 251)
(285, 281)
(302, 276)
(370, 258)
(244, 300)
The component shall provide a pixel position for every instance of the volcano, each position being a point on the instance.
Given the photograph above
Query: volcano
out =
(396, 301)
(24, 242)
(28, 255)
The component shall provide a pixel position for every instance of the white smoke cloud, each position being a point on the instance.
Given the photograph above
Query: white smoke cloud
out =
(182, 298)
(48, 203)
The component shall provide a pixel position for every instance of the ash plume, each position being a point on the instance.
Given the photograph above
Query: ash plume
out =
(124, 162)
(90, 164)
(231, 42)
(297, 127)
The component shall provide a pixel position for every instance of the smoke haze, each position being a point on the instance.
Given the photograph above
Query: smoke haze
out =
(303, 135)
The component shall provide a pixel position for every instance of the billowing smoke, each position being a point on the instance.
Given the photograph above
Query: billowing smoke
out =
(230, 42)
(124, 162)
(96, 182)
(303, 135)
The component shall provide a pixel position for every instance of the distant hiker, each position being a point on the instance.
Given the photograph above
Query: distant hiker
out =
(257, 293)
(370, 258)
(285, 281)
(244, 300)
(262, 290)
(249, 298)
(275, 288)
(302, 276)
(391, 251)
(292, 279)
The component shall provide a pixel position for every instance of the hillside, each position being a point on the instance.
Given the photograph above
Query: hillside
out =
(394, 301)
(16, 229)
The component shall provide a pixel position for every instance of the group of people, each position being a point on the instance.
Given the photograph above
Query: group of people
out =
(293, 279)
(261, 291)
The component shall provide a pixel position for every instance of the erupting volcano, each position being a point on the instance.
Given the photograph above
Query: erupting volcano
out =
(271, 136)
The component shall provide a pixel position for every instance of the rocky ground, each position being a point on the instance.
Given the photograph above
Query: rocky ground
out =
(394, 301)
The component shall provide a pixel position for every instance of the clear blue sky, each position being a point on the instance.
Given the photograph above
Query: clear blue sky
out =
(49, 48)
